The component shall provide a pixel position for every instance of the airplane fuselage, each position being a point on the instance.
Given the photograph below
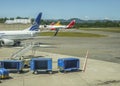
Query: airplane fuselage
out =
(17, 35)
(53, 26)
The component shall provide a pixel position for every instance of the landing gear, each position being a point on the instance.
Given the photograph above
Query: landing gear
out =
(17, 43)
(1, 44)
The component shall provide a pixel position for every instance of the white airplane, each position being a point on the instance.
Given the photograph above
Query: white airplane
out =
(14, 37)
(58, 26)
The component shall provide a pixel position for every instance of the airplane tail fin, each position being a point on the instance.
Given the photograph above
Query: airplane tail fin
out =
(57, 24)
(71, 24)
(35, 26)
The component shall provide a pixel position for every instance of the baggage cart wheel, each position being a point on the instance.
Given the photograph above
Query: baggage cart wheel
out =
(35, 72)
(50, 72)
(19, 72)
(64, 71)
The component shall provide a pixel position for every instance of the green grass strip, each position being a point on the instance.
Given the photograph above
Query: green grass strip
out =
(71, 34)
(116, 30)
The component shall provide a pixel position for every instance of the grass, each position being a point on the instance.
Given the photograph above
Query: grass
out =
(71, 34)
(114, 29)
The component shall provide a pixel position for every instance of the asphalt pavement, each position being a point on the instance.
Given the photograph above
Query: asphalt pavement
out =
(100, 48)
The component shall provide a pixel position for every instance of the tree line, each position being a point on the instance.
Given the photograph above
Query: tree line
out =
(99, 23)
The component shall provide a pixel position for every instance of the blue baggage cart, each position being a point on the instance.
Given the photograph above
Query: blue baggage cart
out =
(12, 65)
(68, 64)
(41, 64)
(4, 73)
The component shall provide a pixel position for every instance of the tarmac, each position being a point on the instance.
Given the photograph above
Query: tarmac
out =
(102, 68)
(98, 73)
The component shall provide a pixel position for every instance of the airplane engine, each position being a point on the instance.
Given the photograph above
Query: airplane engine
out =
(5, 42)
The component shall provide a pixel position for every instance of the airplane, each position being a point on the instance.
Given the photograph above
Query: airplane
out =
(14, 38)
(58, 26)
(52, 24)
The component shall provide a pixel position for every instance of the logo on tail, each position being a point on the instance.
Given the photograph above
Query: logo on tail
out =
(35, 26)
(71, 24)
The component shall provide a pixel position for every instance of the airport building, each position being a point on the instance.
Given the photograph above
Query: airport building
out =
(21, 21)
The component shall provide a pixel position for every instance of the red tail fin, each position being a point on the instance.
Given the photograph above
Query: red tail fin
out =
(71, 24)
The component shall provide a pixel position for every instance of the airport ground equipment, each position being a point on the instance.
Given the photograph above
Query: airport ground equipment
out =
(22, 51)
(41, 64)
(27, 47)
(19, 55)
(4, 73)
(12, 65)
(68, 64)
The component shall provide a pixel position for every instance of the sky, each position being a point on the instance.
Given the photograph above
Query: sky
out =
(61, 9)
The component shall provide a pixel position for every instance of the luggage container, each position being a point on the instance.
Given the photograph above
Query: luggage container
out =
(68, 64)
(12, 65)
(4, 73)
(41, 64)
